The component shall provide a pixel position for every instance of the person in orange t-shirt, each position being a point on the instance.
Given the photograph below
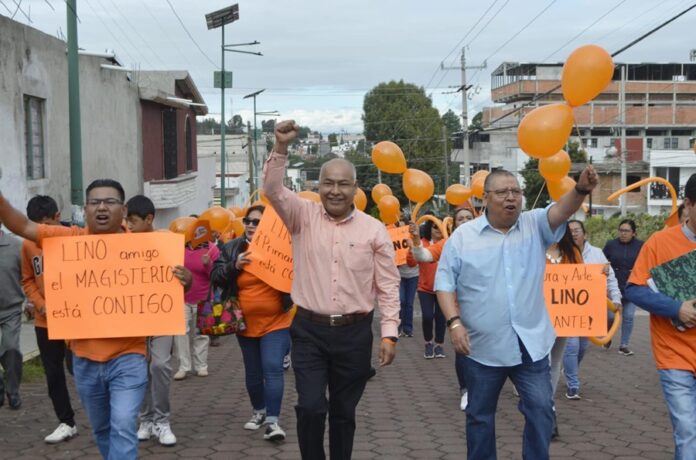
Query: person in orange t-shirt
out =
(44, 210)
(111, 373)
(266, 339)
(674, 349)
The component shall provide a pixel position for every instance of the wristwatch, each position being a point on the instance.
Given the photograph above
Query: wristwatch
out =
(452, 320)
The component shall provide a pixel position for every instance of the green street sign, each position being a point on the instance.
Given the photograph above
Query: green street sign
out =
(217, 79)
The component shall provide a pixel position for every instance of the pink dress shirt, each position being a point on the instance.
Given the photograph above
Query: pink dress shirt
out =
(340, 267)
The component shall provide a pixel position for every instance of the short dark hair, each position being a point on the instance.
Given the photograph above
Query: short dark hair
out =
(140, 206)
(259, 207)
(495, 173)
(99, 183)
(579, 222)
(630, 222)
(41, 207)
(690, 189)
(680, 210)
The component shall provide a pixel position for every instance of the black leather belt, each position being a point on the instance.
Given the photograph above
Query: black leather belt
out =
(330, 320)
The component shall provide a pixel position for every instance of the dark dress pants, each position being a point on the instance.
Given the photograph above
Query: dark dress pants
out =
(53, 355)
(336, 357)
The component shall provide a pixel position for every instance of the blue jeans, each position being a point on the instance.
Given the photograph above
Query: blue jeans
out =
(627, 314)
(460, 368)
(431, 311)
(533, 382)
(112, 393)
(572, 357)
(263, 363)
(407, 294)
(679, 388)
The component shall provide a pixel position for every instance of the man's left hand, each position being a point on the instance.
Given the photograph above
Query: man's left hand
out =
(184, 276)
(588, 179)
(387, 351)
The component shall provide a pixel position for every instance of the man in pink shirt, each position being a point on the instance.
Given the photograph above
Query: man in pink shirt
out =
(343, 264)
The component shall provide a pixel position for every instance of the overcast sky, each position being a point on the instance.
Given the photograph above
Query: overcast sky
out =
(322, 56)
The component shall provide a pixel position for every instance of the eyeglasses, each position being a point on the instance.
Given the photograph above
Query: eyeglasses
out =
(625, 230)
(254, 222)
(95, 202)
(504, 192)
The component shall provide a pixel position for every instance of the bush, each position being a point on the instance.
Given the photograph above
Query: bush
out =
(600, 230)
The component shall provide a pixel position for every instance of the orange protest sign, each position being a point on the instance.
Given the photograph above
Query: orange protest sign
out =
(117, 285)
(576, 299)
(271, 252)
(399, 236)
(201, 233)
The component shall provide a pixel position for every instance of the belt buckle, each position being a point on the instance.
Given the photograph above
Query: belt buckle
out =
(333, 318)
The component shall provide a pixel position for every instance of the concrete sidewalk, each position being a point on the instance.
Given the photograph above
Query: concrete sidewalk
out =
(409, 410)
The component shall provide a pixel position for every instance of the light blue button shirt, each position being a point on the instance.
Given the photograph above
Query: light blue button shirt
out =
(498, 278)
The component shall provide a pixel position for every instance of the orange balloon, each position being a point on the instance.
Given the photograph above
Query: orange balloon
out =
(309, 195)
(558, 188)
(388, 218)
(183, 225)
(237, 226)
(477, 187)
(418, 186)
(218, 217)
(545, 130)
(457, 194)
(389, 204)
(586, 72)
(555, 167)
(360, 199)
(380, 190)
(236, 210)
(388, 157)
(480, 173)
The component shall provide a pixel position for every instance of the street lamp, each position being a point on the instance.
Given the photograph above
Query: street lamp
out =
(613, 152)
(214, 20)
(272, 113)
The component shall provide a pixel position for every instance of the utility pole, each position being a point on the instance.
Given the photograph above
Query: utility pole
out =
(465, 111)
(250, 154)
(622, 108)
(446, 153)
(76, 189)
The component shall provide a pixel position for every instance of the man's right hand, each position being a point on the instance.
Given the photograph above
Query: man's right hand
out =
(285, 132)
(460, 340)
(415, 233)
(687, 313)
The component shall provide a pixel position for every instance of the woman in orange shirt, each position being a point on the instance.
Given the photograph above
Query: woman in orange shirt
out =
(266, 339)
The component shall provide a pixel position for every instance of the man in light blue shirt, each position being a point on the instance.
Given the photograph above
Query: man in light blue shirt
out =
(493, 267)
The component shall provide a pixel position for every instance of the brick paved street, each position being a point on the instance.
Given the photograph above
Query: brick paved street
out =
(409, 410)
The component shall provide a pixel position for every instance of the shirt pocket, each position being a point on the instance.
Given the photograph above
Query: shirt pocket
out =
(358, 259)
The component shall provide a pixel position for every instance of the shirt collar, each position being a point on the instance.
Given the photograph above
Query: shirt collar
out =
(483, 223)
(342, 221)
(688, 232)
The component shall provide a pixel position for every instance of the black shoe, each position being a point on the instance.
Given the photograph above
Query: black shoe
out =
(15, 402)
(372, 373)
(554, 433)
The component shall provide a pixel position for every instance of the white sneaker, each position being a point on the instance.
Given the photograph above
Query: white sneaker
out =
(164, 434)
(256, 421)
(286, 362)
(274, 432)
(145, 431)
(60, 434)
(464, 401)
(202, 373)
(180, 375)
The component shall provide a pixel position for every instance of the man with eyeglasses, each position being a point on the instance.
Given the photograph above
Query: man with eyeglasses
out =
(493, 267)
(110, 373)
(344, 265)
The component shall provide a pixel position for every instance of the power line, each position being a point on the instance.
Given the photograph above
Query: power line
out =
(140, 37)
(108, 29)
(489, 21)
(125, 35)
(164, 33)
(183, 26)
(585, 29)
(616, 53)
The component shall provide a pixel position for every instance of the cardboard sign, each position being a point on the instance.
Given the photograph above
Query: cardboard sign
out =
(116, 285)
(271, 252)
(399, 236)
(576, 299)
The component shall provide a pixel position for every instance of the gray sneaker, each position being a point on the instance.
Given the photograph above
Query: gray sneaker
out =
(429, 351)
(439, 351)
(256, 421)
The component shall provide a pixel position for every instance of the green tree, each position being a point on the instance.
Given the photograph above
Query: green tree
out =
(208, 126)
(235, 125)
(533, 182)
(402, 113)
(268, 126)
(476, 122)
(453, 125)
(333, 140)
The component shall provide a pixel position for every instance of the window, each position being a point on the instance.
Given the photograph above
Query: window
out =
(34, 138)
(671, 143)
(649, 142)
(189, 145)
(593, 142)
(169, 141)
